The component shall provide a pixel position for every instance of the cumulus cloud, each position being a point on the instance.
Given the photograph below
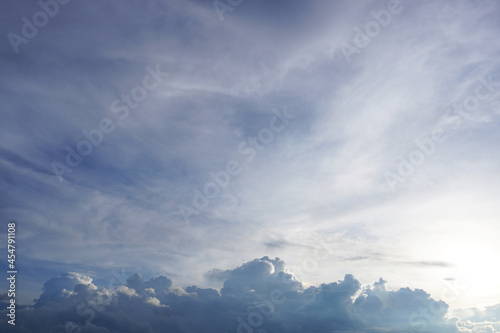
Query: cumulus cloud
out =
(476, 320)
(62, 287)
(259, 296)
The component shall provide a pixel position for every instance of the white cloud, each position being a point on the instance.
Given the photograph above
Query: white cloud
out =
(260, 294)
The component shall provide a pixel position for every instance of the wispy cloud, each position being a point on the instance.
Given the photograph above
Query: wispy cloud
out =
(318, 187)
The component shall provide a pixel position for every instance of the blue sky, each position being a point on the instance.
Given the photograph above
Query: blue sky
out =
(341, 137)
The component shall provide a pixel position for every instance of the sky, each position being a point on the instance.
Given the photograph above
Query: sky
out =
(194, 158)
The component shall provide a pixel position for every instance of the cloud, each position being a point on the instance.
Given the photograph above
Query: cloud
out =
(428, 263)
(323, 174)
(486, 320)
(61, 287)
(258, 296)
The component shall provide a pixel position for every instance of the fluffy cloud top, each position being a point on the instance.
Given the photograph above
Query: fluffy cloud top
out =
(259, 296)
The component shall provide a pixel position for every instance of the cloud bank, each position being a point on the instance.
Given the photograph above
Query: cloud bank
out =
(258, 296)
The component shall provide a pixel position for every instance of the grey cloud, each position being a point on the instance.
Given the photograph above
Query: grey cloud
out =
(280, 243)
(356, 258)
(428, 263)
(260, 295)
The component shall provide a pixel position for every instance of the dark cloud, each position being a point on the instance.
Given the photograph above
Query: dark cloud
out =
(258, 296)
